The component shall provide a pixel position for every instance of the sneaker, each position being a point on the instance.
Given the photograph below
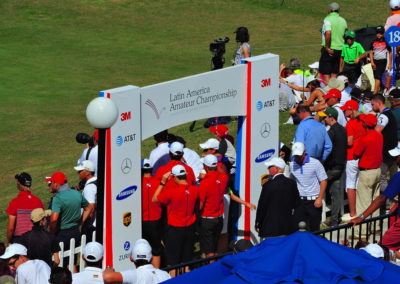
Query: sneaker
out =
(289, 121)
(346, 217)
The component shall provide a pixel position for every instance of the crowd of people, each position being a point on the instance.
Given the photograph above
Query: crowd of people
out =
(346, 141)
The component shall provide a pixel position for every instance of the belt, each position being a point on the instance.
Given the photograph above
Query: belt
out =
(211, 217)
(312, 197)
(364, 169)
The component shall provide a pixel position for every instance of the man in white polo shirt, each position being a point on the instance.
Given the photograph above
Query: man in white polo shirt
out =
(27, 271)
(145, 273)
(311, 182)
(93, 257)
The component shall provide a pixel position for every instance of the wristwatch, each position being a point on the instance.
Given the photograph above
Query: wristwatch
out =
(361, 216)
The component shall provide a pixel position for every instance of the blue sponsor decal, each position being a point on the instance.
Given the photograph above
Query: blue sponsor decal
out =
(265, 155)
(127, 245)
(126, 192)
(259, 105)
(119, 141)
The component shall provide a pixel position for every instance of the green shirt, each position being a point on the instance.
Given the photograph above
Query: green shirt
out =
(68, 204)
(350, 53)
(337, 25)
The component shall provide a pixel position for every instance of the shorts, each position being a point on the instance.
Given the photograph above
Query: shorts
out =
(380, 68)
(152, 232)
(352, 173)
(209, 234)
(329, 64)
(179, 246)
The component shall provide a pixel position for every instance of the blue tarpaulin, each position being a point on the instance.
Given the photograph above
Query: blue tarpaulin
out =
(298, 258)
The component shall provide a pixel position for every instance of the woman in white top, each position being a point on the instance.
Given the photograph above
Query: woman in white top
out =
(244, 50)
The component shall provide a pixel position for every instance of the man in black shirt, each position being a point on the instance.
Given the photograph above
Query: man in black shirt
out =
(40, 243)
(279, 197)
(335, 163)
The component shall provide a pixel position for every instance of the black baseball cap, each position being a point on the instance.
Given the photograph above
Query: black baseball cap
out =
(395, 93)
(380, 30)
(24, 178)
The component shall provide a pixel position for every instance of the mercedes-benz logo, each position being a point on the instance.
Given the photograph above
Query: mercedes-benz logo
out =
(265, 130)
(126, 165)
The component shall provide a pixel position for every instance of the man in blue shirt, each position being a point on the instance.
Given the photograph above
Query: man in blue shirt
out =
(312, 134)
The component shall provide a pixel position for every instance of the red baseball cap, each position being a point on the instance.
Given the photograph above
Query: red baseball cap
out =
(350, 104)
(369, 119)
(220, 130)
(333, 93)
(58, 177)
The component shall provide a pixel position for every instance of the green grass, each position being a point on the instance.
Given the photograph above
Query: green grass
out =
(55, 56)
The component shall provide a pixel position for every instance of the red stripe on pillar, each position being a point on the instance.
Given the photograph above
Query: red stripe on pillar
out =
(108, 227)
(248, 155)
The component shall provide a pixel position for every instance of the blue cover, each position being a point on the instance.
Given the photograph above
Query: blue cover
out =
(298, 258)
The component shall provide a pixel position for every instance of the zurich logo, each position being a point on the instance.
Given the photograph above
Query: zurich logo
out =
(265, 155)
(126, 192)
(259, 105)
(127, 245)
(119, 141)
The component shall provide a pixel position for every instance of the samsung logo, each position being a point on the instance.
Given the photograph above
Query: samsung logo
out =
(265, 155)
(126, 192)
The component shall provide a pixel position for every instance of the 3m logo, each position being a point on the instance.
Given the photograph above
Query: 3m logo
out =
(125, 116)
(266, 83)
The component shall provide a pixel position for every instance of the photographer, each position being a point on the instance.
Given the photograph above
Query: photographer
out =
(90, 153)
(244, 50)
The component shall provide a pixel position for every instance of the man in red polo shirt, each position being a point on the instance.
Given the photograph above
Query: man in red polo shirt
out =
(175, 154)
(151, 213)
(369, 151)
(180, 203)
(20, 208)
(211, 190)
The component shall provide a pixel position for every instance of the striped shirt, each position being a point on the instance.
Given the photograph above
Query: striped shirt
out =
(308, 175)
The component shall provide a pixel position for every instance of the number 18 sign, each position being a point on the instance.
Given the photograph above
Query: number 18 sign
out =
(392, 37)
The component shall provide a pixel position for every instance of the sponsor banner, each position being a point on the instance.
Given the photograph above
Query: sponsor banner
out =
(216, 93)
(125, 191)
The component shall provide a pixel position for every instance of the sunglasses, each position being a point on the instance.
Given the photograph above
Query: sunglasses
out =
(12, 263)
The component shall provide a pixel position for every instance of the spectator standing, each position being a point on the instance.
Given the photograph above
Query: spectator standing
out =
(40, 243)
(180, 203)
(394, 99)
(93, 258)
(352, 54)
(335, 163)
(312, 134)
(19, 209)
(278, 200)
(160, 152)
(244, 49)
(378, 56)
(66, 210)
(369, 152)
(86, 173)
(355, 130)
(386, 125)
(333, 100)
(311, 182)
(91, 152)
(144, 273)
(27, 271)
(151, 213)
(211, 192)
(191, 158)
(332, 32)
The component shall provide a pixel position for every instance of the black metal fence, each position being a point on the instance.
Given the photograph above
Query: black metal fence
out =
(344, 234)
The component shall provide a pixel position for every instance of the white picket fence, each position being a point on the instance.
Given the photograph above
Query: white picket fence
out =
(70, 254)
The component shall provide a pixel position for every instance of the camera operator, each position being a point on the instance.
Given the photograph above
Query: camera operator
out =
(244, 50)
(90, 153)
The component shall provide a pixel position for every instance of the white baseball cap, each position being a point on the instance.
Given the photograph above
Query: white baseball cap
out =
(211, 143)
(141, 250)
(176, 148)
(395, 4)
(93, 252)
(343, 78)
(277, 162)
(85, 165)
(178, 170)
(395, 151)
(14, 249)
(209, 160)
(375, 250)
(146, 164)
(298, 149)
(315, 65)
